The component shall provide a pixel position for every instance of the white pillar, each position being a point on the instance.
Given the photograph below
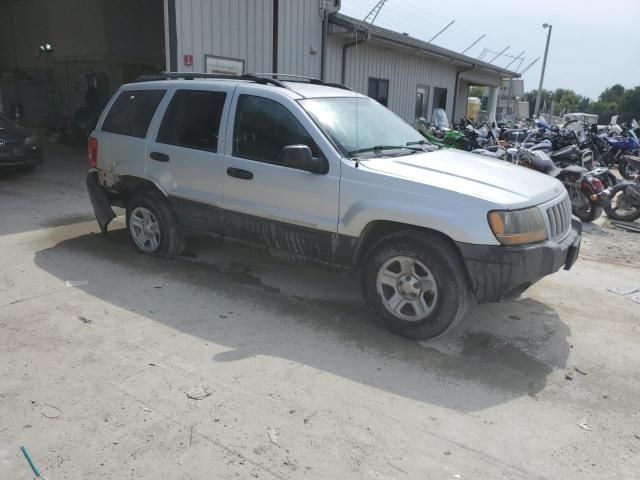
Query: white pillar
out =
(492, 104)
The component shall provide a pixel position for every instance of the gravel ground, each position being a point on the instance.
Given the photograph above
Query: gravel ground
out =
(95, 379)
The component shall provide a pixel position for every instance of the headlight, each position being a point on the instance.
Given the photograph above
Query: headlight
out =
(518, 226)
(30, 141)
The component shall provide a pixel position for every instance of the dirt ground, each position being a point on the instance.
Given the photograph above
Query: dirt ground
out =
(94, 377)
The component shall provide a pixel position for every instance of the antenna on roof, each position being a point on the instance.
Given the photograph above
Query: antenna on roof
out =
(438, 34)
(473, 44)
(372, 15)
(528, 66)
(508, 47)
(514, 59)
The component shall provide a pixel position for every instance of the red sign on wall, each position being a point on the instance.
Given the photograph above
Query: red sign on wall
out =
(188, 60)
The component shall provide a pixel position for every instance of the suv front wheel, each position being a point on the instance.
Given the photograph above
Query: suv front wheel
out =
(152, 226)
(415, 284)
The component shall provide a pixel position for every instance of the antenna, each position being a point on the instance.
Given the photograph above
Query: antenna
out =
(373, 14)
(514, 59)
(528, 66)
(438, 34)
(469, 47)
(491, 61)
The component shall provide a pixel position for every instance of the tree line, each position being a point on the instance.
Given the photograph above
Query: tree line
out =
(615, 100)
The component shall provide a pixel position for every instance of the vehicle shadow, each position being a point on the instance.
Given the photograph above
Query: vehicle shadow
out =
(315, 317)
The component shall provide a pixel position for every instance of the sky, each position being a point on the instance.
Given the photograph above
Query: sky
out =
(594, 44)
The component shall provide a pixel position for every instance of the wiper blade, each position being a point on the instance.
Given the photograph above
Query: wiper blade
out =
(379, 148)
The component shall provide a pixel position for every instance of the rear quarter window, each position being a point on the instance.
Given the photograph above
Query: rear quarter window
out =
(132, 112)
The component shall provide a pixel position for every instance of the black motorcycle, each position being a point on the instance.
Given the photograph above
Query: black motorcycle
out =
(586, 188)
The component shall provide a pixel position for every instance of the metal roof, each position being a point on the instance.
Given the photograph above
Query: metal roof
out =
(402, 40)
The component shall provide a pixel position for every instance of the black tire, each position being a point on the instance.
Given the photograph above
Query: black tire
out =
(614, 196)
(171, 240)
(590, 215)
(445, 266)
(27, 168)
(627, 170)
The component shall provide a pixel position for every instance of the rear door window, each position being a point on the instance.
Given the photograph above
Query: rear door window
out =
(192, 120)
(132, 112)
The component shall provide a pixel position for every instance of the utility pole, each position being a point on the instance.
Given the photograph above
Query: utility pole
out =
(544, 66)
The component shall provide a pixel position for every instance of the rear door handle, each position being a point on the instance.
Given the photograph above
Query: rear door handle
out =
(239, 173)
(159, 157)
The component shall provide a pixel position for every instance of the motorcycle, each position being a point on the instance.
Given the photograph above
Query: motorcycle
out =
(625, 199)
(586, 188)
(614, 147)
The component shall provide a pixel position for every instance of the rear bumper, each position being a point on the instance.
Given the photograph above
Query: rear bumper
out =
(20, 157)
(99, 201)
(499, 272)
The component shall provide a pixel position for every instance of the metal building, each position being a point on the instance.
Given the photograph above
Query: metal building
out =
(312, 38)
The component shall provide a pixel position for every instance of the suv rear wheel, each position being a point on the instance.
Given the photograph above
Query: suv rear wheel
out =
(415, 284)
(152, 226)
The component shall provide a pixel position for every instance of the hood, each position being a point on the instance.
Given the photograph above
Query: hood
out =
(496, 181)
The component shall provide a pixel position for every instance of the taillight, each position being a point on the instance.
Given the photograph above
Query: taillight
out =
(595, 183)
(92, 150)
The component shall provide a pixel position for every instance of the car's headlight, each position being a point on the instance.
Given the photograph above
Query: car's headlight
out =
(518, 227)
(31, 141)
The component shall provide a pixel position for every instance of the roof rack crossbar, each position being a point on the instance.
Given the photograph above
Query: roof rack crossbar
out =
(299, 78)
(251, 77)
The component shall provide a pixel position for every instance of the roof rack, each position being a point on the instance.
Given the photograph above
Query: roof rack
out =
(261, 78)
(299, 78)
(250, 77)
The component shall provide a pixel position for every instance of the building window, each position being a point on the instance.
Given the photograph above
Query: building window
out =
(193, 120)
(379, 90)
(440, 98)
(422, 101)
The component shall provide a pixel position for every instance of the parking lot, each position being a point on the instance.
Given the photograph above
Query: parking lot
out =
(101, 349)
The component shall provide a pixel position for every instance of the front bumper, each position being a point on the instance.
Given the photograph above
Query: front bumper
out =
(499, 272)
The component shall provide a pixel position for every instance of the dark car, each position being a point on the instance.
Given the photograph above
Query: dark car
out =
(18, 146)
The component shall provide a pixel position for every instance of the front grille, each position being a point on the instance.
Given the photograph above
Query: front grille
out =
(559, 216)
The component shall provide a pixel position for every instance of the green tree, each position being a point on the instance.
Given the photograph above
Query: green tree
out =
(612, 94)
(631, 104)
(545, 99)
(479, 92)
(566, 101)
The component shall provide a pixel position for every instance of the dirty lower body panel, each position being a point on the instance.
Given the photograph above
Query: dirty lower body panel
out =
(500, 272)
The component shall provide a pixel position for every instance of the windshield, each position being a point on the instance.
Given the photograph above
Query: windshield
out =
(439, 118)
(372, 126)
(6, 123)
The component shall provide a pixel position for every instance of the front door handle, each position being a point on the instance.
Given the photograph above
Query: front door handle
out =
(239, 173)
(159, 157)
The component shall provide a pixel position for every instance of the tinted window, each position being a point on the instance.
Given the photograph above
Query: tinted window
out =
(263, 128)
(132, 111)
(193, 120)
(379, 90)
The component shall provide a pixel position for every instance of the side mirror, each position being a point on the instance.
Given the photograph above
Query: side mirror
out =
(301, 158)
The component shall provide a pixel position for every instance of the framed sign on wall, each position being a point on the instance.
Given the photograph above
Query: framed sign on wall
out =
(223, 65)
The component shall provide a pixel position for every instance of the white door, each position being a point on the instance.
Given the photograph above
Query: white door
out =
(264, 201)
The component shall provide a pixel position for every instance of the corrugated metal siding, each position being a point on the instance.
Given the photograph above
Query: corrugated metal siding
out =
(404, 72)
(300, 31)
(239, 29)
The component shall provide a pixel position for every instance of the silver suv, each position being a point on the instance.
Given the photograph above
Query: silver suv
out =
(323, 172)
